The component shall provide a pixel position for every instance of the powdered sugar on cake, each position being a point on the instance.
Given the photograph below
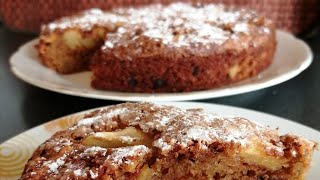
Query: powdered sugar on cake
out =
(178, 25)
(175, 25)
(87, 20)
(122, 155)
(92, 151)
(182, 127)
(61, 143)
(88, 121)
(54, 165)
(127, 139)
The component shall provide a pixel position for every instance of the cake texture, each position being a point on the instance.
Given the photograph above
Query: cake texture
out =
(148, 141)
(161, 48)
(66, 45)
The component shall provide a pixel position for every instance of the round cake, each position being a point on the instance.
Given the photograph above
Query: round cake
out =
(146, 141)
(183, 47)
(160, 48)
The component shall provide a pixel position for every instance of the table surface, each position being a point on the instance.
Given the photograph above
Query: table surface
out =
(23, 106)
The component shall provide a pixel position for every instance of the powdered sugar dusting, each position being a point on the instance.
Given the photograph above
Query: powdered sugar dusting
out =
(127, 139)
(121, 155)
(175, 25)
(182, 127)
(294, 153)
(115, 112)
(164, 120)
(87, 20)
(88, 121)
(163, 145)
(54, 165)
(178, 24)
(60, 143)
(241, 27)
(161, 118)
(93, 175)
(205, 129)
(201, 134)
(92, 151)
(77, 172)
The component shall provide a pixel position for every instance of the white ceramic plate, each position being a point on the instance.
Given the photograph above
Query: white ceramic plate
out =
(15, 151)
(292, 57)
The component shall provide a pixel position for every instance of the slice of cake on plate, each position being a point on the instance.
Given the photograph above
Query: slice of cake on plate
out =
(147, 141)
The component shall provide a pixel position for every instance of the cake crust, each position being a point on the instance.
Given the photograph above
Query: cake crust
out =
(186, 144)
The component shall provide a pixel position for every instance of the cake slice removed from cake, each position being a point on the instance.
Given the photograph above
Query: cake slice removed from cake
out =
(147, 141)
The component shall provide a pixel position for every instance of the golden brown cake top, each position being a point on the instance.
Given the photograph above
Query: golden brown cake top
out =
(183, 30)
(168, 129)
(185, 25)
(85, 20)
(196, 28)
(176, 126)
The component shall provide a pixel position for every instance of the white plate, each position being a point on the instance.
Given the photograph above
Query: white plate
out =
(15, 151)
(291, 58)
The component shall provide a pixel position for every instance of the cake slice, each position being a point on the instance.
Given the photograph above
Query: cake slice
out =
(147, 141)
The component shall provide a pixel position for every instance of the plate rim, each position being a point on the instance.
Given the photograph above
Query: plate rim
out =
(184, 96)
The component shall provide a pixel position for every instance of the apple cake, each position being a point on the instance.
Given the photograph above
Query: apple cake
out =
(147, 141)
(161, 48)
